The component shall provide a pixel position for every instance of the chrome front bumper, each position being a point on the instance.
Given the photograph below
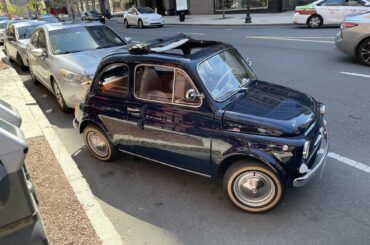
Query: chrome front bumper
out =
(75, 123)
(318, 165)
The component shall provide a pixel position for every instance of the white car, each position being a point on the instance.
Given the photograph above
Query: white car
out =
(142, 17)
(328, 12)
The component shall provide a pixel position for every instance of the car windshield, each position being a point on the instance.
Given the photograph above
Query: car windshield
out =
(225, 74)
(145, 10)
(50, 19)
(93, 13)
(83, 38)
(25, 32)
(3, 25)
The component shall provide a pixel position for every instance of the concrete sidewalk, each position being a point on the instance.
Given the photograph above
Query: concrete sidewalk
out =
(285, 18)
(36, 126)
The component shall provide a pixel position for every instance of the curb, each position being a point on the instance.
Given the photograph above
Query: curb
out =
(41, 126)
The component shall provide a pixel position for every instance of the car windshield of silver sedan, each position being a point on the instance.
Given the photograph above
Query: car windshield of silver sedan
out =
(83, 38)
(145, 10)
(26, 32)
(225, 74)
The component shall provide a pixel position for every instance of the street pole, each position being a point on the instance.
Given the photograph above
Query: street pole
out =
(248, 18)
(223, 9)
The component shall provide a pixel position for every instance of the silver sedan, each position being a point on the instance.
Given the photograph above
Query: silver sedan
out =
(354, 37)
(64, 57)
(17, 36)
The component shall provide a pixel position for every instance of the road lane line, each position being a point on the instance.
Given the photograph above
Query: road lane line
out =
(355, 74)
(350, 162)
(194, 33)
(288, 39)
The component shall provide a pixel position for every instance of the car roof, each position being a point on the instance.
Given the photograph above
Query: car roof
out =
(179, 48)
(69, 24)
(27, 23)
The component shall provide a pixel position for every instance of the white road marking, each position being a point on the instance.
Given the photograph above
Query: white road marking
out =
(350, 162)
(355, 74)
(194, 33)
(297, 39)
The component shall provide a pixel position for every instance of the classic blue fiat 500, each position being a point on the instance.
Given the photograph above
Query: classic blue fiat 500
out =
(198, 106)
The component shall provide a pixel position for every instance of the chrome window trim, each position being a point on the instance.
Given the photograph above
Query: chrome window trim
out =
(174, 76)
(112, 66)
(166, 164)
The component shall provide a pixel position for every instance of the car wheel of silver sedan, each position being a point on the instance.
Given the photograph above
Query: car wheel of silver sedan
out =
(364, 52)
(315, 21)
(59, 96)
(99, 144)
(126, 24)
(253, 187)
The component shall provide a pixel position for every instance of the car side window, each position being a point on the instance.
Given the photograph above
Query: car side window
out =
(41, 41)
(114, 80)
(336, 3)
(34, 38)
(183, 86)
(154, 83)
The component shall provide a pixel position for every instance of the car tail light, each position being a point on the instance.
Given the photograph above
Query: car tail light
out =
(346, 25)
(306, 11)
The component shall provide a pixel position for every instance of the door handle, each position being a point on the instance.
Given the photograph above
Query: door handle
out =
(133, 110)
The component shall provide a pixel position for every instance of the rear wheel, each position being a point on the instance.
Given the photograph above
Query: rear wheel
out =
(99, 144)
(20, 62)
(253, 187)
(315, 21)
(141, 24)
(364, 52)
(126, 24)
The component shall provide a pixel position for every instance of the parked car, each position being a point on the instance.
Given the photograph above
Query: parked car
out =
(64, 57)
(198, 106)
(49, 18)
(354, 37)
(328, 12)
(142, 17)
(18, 35)
(3, 24)
(4, 18)
(92, 16)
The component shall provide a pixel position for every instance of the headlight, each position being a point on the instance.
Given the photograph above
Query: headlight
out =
(73, 77)
(306, 149)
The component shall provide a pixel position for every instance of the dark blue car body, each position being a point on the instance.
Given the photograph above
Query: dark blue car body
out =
(267, 123)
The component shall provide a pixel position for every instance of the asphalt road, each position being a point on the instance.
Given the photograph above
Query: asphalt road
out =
(153, 204)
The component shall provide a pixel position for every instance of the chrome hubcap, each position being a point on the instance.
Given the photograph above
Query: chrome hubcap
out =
(315, 21)
(254, 188)
(98, 144)
(365, 53)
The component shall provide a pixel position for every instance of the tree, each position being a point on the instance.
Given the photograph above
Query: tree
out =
(10, 8)
(36, 6)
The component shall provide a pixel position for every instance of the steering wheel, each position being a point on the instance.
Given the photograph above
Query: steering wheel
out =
(223, 76)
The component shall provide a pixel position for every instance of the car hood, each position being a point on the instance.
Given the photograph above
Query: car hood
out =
(269, 109)
(85, 62)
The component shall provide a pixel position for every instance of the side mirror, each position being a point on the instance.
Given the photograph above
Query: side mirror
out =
(37, 52)
(249, 62)
(192, 95)
(128, 39)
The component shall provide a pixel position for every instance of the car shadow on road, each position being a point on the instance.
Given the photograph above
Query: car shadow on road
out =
(183, 203)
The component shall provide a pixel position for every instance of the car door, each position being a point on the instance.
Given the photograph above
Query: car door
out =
(332, 11)
(32, 62)
(43, 67)
(111, 96)
(10, 45)
(165, 126)
(133, 17)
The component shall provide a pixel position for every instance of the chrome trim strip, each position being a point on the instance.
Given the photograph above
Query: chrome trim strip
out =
(147, 158)
(303, 180)
(308, 131)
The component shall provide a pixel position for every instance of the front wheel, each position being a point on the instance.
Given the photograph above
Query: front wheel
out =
(364, 52)
(58, 94)
(253, 187)
(20, 62)
(315, 21)
(99, 144)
